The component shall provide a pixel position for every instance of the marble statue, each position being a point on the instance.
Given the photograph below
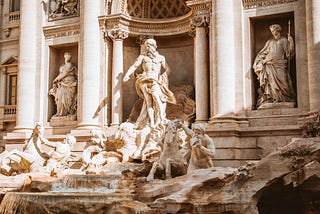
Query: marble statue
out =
(96, 156)
(171, 155)
(60, 154)
(152, 85)
(201, 148)
(65, 88)
(141, 138)
(271, 67)
(35, 157)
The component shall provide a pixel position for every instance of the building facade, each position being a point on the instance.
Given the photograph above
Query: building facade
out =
(209, 45)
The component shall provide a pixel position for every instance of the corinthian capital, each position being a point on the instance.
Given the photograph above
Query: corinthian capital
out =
(200, 21)
(117, 34)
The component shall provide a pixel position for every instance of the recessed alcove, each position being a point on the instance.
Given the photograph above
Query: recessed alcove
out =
(260, 34)
(56, 59)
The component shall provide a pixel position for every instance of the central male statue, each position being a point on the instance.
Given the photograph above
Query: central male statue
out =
(151, 86)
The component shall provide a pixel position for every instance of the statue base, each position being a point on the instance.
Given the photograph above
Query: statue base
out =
(280, 105)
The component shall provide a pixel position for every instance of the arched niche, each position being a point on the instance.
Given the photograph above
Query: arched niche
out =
(168, 22)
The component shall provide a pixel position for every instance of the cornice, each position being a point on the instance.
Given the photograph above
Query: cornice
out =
(61, 30)
(249, 4)
(136, 26)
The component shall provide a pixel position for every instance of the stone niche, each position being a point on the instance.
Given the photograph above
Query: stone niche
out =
(260, 34)
(56, 59)
(178, 51)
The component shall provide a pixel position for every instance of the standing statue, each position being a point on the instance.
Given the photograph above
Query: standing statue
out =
(271, 66)
(201, 148)
(65, 88)
(152, 86)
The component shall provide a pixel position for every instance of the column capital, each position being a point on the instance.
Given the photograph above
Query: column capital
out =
(117, 33)
(201, 20)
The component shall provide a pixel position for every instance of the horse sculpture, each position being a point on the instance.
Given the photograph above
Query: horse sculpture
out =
(171, 155)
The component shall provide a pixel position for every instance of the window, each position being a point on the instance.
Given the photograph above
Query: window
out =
(12, 90)
(14, 5)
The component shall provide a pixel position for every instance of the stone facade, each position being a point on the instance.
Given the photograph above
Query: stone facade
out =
(209, 45)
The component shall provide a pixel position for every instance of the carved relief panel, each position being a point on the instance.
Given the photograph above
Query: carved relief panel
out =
(59, 9)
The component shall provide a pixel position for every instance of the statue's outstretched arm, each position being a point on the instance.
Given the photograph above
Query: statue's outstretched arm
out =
(132, 68)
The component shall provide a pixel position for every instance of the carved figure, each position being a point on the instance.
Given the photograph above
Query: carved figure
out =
(94, 157)
(65, 8)
(35, 158)
(170, 155)
(65, 88)
(152, 86)
(271, 67)
(202, 148)
(60, 155)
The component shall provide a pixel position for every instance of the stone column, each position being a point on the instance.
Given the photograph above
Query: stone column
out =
(89, 72)
(29, 50)
(227, 59)
(117, 35)
(3, 84)
(313, 41)
(201, 67)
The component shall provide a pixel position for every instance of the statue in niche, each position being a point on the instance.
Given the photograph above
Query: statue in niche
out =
(64, 88)
(35, 157)
(271, 67)
(199, 149)
(152, 86)
(64, 8)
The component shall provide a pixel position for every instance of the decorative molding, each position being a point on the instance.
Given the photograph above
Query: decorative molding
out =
(249, 4)
(117, 33)
(200, 7)
(155, 27)
(61, 30)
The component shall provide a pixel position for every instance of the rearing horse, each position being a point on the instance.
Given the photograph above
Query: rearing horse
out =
(170, 154)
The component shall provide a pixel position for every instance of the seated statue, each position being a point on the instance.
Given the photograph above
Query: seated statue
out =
(34, 157)
(201, 148)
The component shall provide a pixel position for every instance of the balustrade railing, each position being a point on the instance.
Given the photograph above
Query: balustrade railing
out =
(14, 16)
(10, 110)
